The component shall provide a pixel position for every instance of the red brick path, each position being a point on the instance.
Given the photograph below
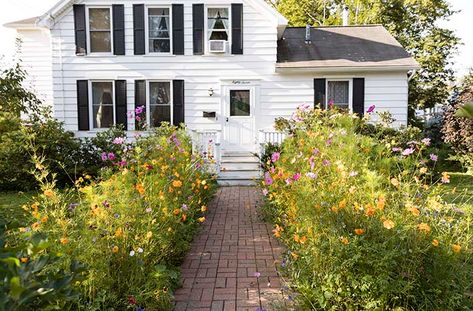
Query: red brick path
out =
(233, 247)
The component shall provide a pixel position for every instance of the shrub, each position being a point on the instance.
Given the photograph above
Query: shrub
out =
(133, 227)
(363, 222)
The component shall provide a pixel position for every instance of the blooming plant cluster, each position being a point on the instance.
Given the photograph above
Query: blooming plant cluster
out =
(365, 225)
(133, 226)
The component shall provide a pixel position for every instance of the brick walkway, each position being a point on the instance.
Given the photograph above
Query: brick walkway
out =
(233, 248)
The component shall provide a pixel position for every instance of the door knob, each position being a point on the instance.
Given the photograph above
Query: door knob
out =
(227, 119)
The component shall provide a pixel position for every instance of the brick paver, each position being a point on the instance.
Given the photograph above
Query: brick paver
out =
(232, 262)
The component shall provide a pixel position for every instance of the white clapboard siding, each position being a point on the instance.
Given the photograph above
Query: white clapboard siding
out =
(278, 94)
(35, 53)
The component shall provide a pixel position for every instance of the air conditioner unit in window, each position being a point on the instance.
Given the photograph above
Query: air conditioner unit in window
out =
(217, 46)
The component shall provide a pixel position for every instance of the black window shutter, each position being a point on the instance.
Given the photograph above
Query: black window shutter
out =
(178, 29)
(118, 29)
(198, 28)
(120, 103)
(319, 93)
(359, 96)
(140, 98)
(139, 28)
(237, 28)
(80, 29)
(83, 104)
(178, 102)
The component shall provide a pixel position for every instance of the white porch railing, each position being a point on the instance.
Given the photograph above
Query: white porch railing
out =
(207, 144)
(269, 136)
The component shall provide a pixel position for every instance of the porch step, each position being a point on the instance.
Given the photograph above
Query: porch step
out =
(237, 175)
(241, 182)
(239, 169)
(239, 166)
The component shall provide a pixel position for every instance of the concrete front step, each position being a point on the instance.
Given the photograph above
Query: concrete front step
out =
(239, 166)
(227, 175)
(239, 169)
(241, 182)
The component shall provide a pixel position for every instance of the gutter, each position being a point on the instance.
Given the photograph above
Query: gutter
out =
(287, 69)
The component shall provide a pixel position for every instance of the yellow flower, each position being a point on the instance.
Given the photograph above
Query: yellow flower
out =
(342, 203)
(423, 227)
(64, 240)
(44, 219)
(203, 182)
(352, 189)
(277, 231)
(294, 256)
(24, 259)
(445, 178)
(119, 233)
(344, 240)
(388, 224)
(359, 231)
(35, 226)
(423, 170)
(456, 248)
(149, 234)
(381, 202)
(203, 209)
(35, 206)
(201, 219)
(415, 211)
(394, 182)
(435, 242)
(115, 249)
(177, 184)
(48, 193)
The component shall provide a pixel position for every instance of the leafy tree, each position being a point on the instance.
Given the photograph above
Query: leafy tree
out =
(413, 23)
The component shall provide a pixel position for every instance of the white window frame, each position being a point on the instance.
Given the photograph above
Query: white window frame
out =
(148, 101)
(350, 91)
(91, 105)
(147, 29)
(87, 27)
(206, 26)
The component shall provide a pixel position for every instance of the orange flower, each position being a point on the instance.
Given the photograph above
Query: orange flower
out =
(342, 203)
(64, 240)
(115, 249)
(183, 217)
(35, 226)
(48, 193)
(456, 248)
(119, 233)
(445, 178)
(370, 211)
(334, 209)
(388, 224)
(139, 187)
(303, 239)
(44, 219)
(176, 211)
(177, 184)
(344, 240)
(424, 227)
(359, 231)
(35, 206)
(201, 219)
(277, 231)
(296, 238)
(24, 259)
(435, 242)
(381, 202)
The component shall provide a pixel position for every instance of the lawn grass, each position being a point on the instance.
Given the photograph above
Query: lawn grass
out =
(11, 205)
(460, 190)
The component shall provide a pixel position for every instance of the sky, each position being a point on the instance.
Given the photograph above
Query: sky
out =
(12, 10)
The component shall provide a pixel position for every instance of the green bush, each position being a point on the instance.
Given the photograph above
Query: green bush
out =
(132, 227)
(365, 226)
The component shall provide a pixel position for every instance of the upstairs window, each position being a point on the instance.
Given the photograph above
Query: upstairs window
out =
(338, 94)
(160, 103)
(159, 39)
(218, 24)
(100, 30)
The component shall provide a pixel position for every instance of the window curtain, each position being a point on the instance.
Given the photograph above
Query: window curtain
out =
(338, 92)
(213, 17)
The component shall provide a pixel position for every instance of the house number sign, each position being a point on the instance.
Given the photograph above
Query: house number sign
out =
(241, 82)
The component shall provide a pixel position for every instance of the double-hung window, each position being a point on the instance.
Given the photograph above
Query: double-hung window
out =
(100, 30)
(159, 38)
(338, 94)
(218, 24)
(160, 103)
(103, 108)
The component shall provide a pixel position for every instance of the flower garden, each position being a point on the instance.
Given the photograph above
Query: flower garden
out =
(110, 243)
(363, 216)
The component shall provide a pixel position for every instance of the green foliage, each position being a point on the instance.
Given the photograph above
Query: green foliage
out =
(364, 222)
(133, 226)
(27, 282)
(413, 23)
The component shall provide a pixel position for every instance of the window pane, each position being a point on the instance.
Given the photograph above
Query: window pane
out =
(219, 35)
(102, 102)
(218, 23)
(338, 93)
(160, 114)
(100, 41)
(240, 103)
(160, 93)
(159, 46)
(99, 19)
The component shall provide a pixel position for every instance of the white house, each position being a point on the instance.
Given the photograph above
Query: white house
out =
(225, 68)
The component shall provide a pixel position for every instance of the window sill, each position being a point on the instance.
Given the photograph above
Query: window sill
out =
(100, 55)
(159, 55)
(218, 55)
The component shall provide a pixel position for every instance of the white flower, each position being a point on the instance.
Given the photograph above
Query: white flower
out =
(132, 253)
(140, 250)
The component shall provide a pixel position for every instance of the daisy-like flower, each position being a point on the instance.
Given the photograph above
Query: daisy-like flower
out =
(388, 224)
(132, 253)
(434, 157)
(311, 175)
(275, 156)
(445, 178)
(265, 192)
(408, 151)
(296, 176)
(119, 140)
(268, 179)
(359, 231)
(140, 250)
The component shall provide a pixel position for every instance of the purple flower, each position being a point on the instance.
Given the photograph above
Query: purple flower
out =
(122, 163)
(106, 204)
(328, 142)
(371, 109)
(396, 149)
(303, 107)
(426, 141)
(268, 179)
(326, 162)
(312, 163)
(288, 181)
(139, 110)
(331, 103)
(434, 157)
(148, 210)
(296, 176)
(311, 175)
(184, 207)
(104, 156)
(315, 151)
(275, 156)
(119, 140)
(408, 151)
(111, 156)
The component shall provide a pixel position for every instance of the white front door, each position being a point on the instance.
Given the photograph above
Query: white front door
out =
(239, 119)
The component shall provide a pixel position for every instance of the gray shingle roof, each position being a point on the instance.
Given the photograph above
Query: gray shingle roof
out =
(369, 46)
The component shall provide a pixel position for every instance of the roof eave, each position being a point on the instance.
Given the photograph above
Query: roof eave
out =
(286, 68)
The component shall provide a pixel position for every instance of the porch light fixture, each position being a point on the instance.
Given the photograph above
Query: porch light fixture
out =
(211, 92)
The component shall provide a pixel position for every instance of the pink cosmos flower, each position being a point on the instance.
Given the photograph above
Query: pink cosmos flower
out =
(396, 149)
(426, 141)
(326, 162)
(275, 156)
(434, 157)
(296, 176)
(288, 181)
(184, 207)
(104, 156)
(311, 175)
(119, 140)
(315, 151)
(111, 156)
(371, 109)
(265, 192)
(268, 179)
(139, 110)
(408, 151)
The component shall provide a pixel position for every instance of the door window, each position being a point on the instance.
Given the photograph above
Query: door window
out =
(240, 103)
